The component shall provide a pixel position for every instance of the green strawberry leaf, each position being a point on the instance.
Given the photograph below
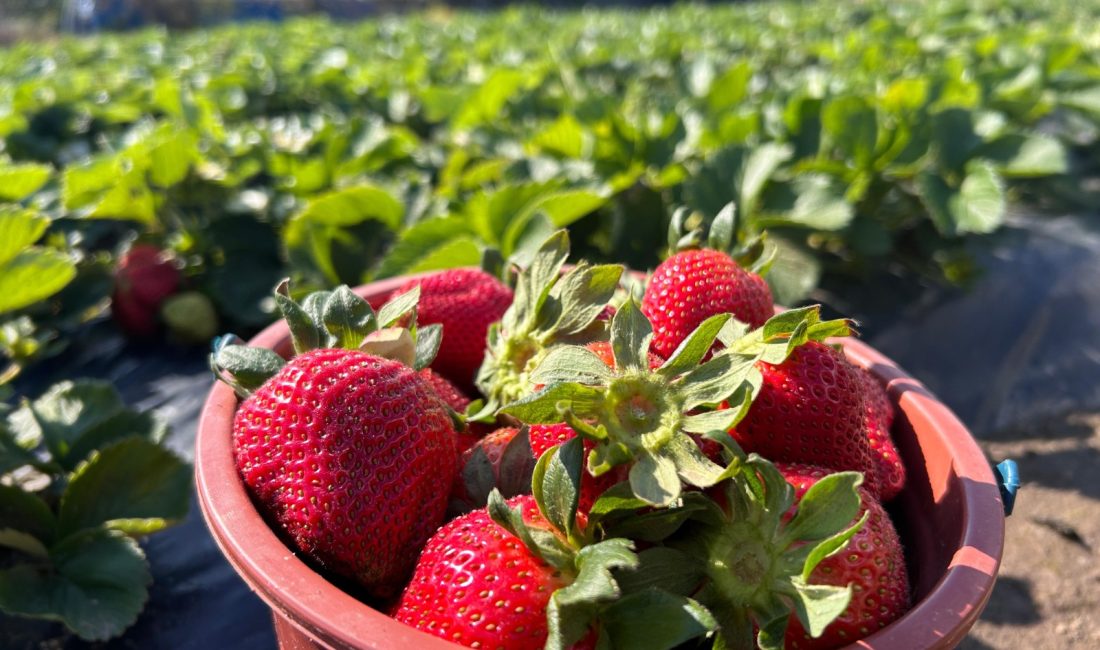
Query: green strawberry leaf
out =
(250, 367)
(819, 605)
(69, 410)
(541, 543)
(26, 543)
(27, 513)
(692, 349)
(19, 229)
(653, 526)
(394, 343)
(827, 507)
(716, 379)
(125, 424)
(631, 333)
(428, 340)
(829, 546)
(348, 318)
(721, 420)
(773, 631)
(656, 620)
(314, 307)
(654, 479)
(571, 363)
(134, 486)
(618, 499)
(723, 228)
(556, 483)
(663, 568)
(33, 275)
(758, 168)
(542, 407)
(534, 285)
(584, 293)
(573, 608)
(97, 585)
(398, 307)
(19, 180)
(530, 239)
(692, 464)
(305, 327)
(979, 205)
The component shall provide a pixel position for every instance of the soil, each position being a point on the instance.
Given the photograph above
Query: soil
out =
(1048, 590)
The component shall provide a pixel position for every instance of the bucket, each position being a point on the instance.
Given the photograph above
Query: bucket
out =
(950, 517)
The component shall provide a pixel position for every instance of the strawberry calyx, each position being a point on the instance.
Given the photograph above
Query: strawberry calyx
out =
(736, 549)
(593, 566)
(647, 417)
(549, 308)
(758, 559)
(330, 319)
(689, 230)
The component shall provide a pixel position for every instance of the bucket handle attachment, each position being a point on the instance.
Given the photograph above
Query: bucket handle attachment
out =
(1008, 480)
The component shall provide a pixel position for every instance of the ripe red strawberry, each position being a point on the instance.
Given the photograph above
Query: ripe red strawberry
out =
(873, 563)
(448, 392)
(457, 401)
(345, 452)
(879, 416)
(492, 445)
(465, 302)
(693, 285)
(477, 585)
(810, 410)
(145, 278)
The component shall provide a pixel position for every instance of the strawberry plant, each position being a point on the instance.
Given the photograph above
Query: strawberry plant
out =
(84, 478)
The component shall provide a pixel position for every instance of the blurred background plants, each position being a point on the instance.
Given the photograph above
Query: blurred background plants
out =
(866, 137)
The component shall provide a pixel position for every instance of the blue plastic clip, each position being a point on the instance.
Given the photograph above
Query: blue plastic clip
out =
(1008, 476)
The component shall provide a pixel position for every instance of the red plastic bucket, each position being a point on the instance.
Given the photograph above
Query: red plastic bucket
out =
(950, 517)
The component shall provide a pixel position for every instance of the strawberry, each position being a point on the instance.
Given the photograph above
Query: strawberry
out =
(873, 563)
(879, 416)
(465, 302)
(879, 406)
(457, 401)
(810, 410)
(693, 285)
(477, 585)
(145, 277)
(448, 392)
(501, 460)
(317, 445)
(344, 450)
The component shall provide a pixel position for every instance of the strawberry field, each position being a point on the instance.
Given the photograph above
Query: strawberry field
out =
(161, 184)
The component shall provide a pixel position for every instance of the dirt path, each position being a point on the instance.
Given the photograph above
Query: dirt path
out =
(1048, 593)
